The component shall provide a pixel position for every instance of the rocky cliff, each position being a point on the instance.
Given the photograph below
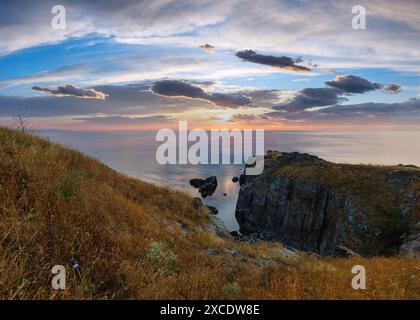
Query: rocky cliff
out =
(332, 209)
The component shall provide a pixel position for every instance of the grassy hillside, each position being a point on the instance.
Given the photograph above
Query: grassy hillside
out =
(133, 240)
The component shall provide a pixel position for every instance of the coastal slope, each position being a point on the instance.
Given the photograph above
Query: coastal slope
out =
(121, 238)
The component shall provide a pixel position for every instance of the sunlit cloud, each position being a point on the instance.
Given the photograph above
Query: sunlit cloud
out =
(181, 89)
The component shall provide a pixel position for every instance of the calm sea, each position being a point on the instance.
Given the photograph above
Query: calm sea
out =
(134, 153)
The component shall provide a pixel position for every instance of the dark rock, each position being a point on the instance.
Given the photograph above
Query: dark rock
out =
(265, 262)
(213, 210)
(217, 227)
(213, 252)
(196, 183)
(254, 237)
(314, 205)
(224, 194)
(398, 179)
(234, 252)
(206, 187)
(235, 179)
(411, 247)
(234, 234)
(342, 251)
(407, 204)
(242, 179)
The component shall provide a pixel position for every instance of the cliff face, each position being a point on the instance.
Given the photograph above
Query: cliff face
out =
(314, 205)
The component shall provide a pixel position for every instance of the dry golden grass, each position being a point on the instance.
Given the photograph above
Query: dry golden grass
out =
(134, 240)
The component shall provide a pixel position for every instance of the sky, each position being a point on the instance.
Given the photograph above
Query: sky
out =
(276, 65)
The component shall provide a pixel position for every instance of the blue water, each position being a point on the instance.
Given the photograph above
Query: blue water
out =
(134, 154)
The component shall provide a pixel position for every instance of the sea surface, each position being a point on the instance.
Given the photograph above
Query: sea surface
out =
(134, 154)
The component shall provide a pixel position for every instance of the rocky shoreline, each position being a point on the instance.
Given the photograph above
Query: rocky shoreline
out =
(331, 209)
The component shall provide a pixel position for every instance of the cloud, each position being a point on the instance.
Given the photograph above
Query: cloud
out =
(331, 71)
(333, 95)
(353, 84)
(124, 120)
(182, 89)
(119, 66)
(356, 113)
(241, 117)
(282, 62)
(28, 23)
(372, 109)
(61, 74)
(229, 100)
(393, 88)
(69, 90)
(175, 88)
(311, 97)
(130, 99)
(208, 48)
(391, 39)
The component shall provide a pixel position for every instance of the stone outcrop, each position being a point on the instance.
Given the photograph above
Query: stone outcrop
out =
(411, 247)
(213, 210)
(217, 227)
(206, 187)
(314, 205)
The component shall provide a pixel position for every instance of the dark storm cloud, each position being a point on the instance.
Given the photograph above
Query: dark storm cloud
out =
(72, 91)
(353, 84)
(280, 62)
(311, 97)
(181, 89)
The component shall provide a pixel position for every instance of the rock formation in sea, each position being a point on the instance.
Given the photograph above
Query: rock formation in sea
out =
(206, 187)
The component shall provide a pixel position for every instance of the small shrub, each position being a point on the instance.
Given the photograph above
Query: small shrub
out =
(67, 191)
(89, 288)
(162, 257)
(69, 188)
(231, 290)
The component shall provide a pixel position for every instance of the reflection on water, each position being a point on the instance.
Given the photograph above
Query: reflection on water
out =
(133, 153)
